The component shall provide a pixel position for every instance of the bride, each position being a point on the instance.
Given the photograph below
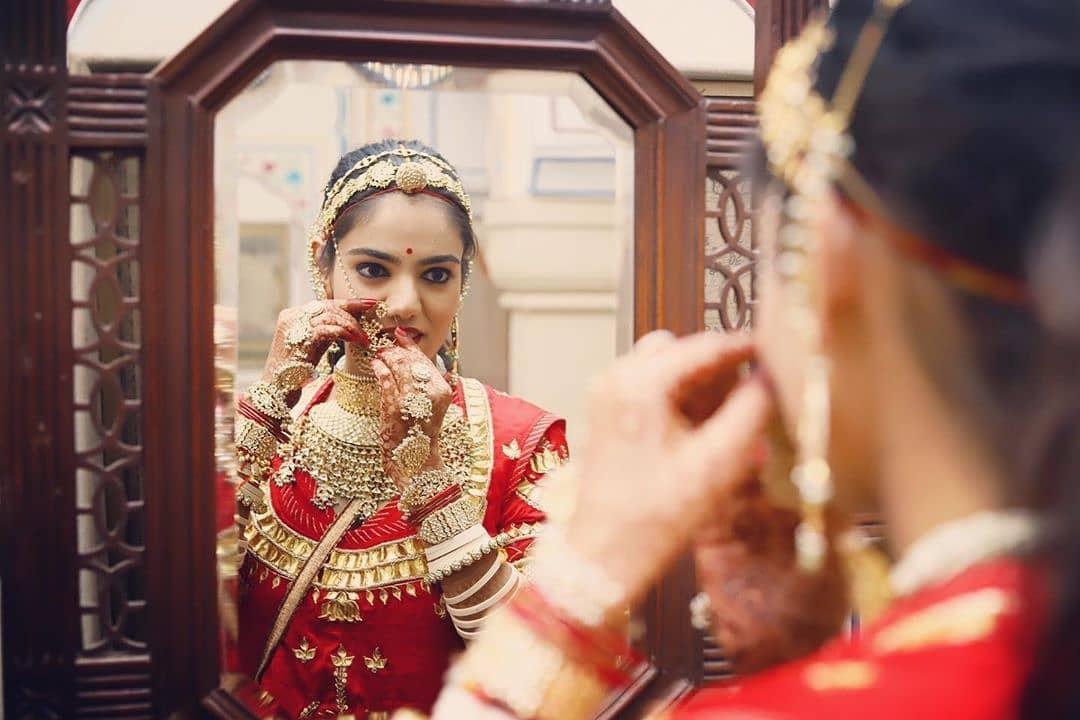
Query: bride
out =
(390, 504)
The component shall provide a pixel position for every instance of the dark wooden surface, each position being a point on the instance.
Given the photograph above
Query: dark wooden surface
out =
(775, 23)
(38, 560)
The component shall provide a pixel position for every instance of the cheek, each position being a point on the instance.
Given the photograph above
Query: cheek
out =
(780, 351)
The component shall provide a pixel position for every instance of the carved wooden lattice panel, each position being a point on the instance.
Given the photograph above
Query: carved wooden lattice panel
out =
(729, 252)
(113, 662)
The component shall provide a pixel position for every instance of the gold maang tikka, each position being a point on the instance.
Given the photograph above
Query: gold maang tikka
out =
(807, 146)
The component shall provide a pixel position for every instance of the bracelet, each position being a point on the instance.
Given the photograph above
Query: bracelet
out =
(293, 375)
(269, 400)
(444, 499)
(255, 447)
(475, 534)
(437, 572)
(574, 585)
(472, 590)
(424, 488)
(461, 613)
(449, 521)
(598, 649)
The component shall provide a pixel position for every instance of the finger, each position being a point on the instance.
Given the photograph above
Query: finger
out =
(354, 306)
(695, 359)
(340, 318)
(724, 447)
(387, 384)
(323, 335)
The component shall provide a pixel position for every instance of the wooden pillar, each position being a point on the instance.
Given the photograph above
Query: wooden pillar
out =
(37, 505)
(776, 22)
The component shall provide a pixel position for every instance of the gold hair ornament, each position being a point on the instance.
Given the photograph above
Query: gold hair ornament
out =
(807, 147)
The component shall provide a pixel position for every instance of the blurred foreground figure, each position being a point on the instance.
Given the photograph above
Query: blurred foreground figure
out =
(917, 345)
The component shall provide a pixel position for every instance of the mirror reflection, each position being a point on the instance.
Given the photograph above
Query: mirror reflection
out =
(418, 268)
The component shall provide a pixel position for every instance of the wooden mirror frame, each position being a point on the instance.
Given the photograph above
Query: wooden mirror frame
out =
(589, 38)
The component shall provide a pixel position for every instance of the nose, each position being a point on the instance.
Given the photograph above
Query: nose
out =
(403, 302)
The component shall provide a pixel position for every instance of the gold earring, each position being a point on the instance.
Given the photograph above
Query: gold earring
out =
(452, 347)
(318, 287)
(811, 474)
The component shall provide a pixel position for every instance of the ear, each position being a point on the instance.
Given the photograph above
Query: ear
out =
(840, 227)
(315, 249)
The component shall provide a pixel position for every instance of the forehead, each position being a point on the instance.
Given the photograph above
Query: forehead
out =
(396, 222)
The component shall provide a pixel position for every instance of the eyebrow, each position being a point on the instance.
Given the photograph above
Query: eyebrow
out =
(388, 257)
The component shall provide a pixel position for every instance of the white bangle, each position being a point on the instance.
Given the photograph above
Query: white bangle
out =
(510, 584)
(476, 532)
(572, 583)
(472, 590)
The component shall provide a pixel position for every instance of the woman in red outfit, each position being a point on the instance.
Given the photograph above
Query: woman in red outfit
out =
(918, 339)
(390, 502)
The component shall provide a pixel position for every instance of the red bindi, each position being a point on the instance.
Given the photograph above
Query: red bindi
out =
(408, 251)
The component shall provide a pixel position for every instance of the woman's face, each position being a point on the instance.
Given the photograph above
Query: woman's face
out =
(408, 253)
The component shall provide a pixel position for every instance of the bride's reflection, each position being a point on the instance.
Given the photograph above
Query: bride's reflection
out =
(387, 502)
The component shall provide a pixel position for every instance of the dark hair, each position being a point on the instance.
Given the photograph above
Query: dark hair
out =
(966, 128)
(357, 211)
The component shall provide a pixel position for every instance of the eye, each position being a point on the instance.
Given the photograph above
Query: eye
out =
(372, 270)
(438, 275)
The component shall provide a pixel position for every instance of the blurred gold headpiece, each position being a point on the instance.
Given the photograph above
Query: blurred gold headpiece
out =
(807, 147)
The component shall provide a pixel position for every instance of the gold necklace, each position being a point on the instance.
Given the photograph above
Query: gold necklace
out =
(337, 442)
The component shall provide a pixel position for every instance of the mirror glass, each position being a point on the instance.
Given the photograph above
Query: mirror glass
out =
(549, 170)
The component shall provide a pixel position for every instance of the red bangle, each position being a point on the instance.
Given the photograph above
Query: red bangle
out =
(603, 652)
(258, 416)
(438, 502)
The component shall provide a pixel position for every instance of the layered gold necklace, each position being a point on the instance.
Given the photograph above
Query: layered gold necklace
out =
(337, 442)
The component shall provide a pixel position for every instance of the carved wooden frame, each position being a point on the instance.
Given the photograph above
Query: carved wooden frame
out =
(590, 38)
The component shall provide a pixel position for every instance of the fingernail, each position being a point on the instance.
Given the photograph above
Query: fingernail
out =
(400, 334)
(368, 303)
(359, 337)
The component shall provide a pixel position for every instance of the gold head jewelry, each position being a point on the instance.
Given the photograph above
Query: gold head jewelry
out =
(415, 172)
(807, 147)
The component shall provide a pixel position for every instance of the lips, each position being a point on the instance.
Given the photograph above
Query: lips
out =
(414, 334)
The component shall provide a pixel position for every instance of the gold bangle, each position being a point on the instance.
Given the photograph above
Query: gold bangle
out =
(255, 447)
(293, 375)
(423, 488)
(447, 522)
(268, 400)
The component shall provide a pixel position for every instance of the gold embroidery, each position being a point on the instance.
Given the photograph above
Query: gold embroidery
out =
(531, 494)
(375, 662)
(513, 450)
(265, 698)
(283, 550)
(440, 608)
(545, 459)
(309, 710)
(340, 607)
(843, 675)
(956, 621)
(342, 661)
(478, 414)
(304, 652)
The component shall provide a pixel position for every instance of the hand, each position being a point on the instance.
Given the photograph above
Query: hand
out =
(304, 333)
(765, 610)
(406, 375)
(671, 431)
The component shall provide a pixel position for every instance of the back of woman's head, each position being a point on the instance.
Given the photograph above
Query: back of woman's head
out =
(967, 128)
